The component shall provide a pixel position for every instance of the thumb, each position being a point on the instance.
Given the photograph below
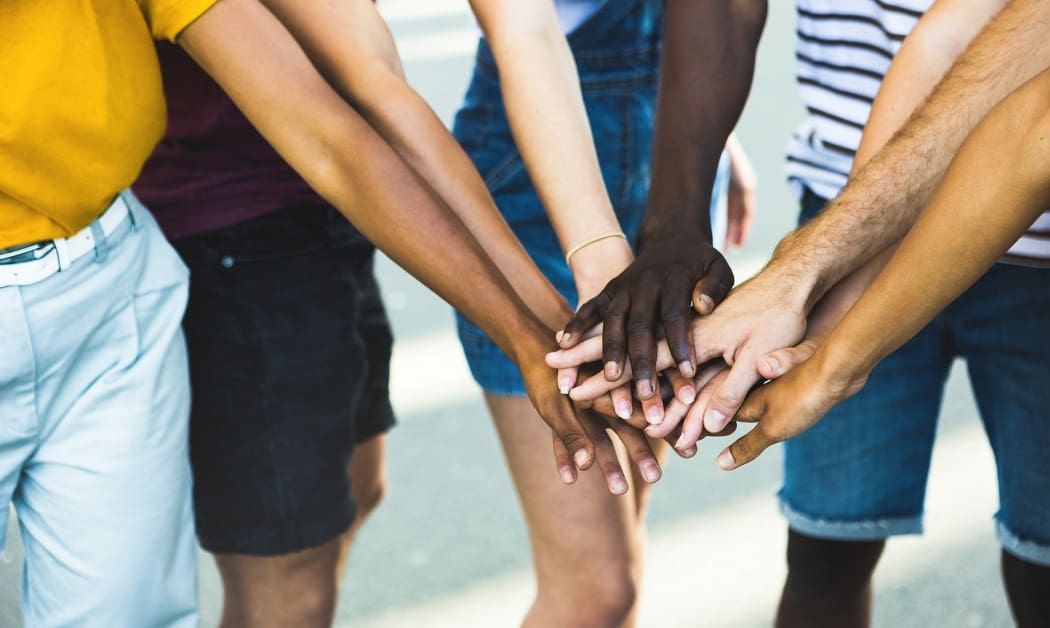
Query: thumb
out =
(776, 363)
(745, 449)
(713, 287)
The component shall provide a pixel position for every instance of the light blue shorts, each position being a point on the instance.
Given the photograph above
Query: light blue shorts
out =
(94, 403)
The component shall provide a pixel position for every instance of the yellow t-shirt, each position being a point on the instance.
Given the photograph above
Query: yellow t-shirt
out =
(81, 106)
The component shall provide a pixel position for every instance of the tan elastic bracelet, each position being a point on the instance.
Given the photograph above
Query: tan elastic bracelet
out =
(598, 238)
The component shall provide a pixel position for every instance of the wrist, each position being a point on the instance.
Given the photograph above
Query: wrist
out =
(594, 266)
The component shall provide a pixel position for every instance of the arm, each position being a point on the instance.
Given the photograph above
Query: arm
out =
(881, 201)
(351, 46)
(706, 44)
(553, 135)
(928, 52)
(263, 69)
(980, 209)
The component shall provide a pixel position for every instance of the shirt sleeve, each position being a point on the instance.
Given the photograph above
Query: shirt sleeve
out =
(167, 18)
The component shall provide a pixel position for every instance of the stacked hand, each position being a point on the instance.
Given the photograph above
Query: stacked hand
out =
(755, 335)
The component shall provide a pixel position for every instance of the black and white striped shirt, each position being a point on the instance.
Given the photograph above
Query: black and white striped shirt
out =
(843, 50)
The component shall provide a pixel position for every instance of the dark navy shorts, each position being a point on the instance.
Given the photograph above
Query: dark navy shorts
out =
(289, 351)
(860, 474)
(617, 54)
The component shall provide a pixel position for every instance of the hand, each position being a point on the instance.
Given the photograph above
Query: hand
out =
(577, 447)
(761, 316)
(789, 406)
(742, 201)
(656, 288)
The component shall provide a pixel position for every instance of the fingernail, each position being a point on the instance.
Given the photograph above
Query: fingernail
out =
(687, 395)
(581, 457)
(567, 476)
(565, 338)
(678, 443)
(654, 415)
(623, 409)
(612, 371)
(707, 304)
(617, 484)
(650, 471)
(686, 369)
(645, 389)
(557, 336)
(772, 364)
(564, 386)
(715, 420)
(688, 453)
(725, 460)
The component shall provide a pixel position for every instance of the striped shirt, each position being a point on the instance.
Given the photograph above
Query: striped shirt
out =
(843, 50)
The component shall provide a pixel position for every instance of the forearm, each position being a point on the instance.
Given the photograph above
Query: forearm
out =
(351, 46)
(706, 72)
(882, 201)
(349, 164)
(983, 205)
(552, 132)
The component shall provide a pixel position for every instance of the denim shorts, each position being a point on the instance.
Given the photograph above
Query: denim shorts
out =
(860, 474)
(617, 55)
(289, 351)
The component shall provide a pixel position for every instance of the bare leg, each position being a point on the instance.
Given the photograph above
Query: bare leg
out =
(829, 583)
(586, 543)
(300, 589)
(1028, 588)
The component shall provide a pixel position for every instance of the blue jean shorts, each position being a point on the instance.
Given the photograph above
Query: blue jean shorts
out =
(617, 56)
(860, 474)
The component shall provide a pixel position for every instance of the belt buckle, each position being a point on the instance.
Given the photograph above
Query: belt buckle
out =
(25, 252)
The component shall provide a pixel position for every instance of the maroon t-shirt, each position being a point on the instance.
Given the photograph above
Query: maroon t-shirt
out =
(212, 169)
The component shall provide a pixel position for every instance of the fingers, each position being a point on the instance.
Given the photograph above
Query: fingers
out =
(605, 454)
(589, 315)
(745, 449)
(614, 336)
(675, 317)
(640, 451)
(776, 363)
(604, 405)
(589, 350)
(566, 468)
(567, 379)
(730, 394)
(683, 386)
(641, 338)
(713, 287)
(693, 425)
(623, 402)
(596, 385)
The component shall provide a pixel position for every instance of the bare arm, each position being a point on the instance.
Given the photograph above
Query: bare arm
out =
(881, 202)
(705, 75)
(883, 199)
(982, 207)
(553, 135)
(349, 42)
(928, 52)
(259, 64)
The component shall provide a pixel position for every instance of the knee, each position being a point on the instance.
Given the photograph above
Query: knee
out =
(597, 600)
(824, 565)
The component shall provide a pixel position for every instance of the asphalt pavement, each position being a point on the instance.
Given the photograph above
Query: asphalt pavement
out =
(448, 547)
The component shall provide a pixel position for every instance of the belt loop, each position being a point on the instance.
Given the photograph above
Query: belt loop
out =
(132, 202)
(101, 247)
(62, 251)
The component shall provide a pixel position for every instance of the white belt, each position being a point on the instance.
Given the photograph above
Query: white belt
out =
(64, 251)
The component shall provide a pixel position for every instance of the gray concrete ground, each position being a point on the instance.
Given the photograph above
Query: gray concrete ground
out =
(448, 547)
